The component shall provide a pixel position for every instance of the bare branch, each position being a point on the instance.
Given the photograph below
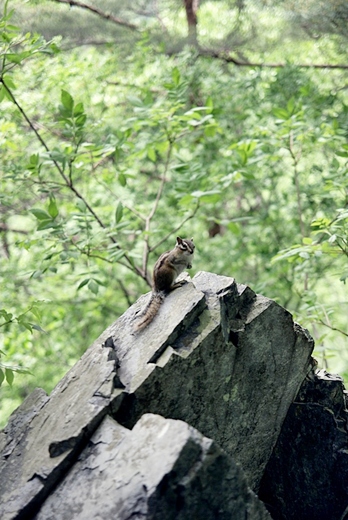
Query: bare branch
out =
(296, 157)
(230, 59)
(174, 230)
(125, 292)
(148, 219)
(102, 14)
(322, 322)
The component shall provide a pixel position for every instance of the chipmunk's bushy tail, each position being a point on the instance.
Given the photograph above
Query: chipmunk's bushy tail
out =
(150, 310)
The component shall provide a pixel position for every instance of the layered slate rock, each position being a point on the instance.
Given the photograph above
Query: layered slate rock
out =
(217, 356)
(162, 469)
(307, 475)
(231, 374)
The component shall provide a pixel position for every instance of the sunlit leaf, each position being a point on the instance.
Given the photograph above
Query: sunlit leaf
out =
(119, 212)
(9, 376)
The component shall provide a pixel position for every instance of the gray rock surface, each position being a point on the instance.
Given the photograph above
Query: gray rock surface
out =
(307, 475)
(231, 374)
(217, 356)
(162, 469)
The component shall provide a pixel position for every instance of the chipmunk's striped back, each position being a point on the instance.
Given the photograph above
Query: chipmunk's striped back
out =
(166, 270)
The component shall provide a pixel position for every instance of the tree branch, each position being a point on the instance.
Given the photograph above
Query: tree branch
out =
(322, 322)
(69, 183)
(230, 59)
(148, 219)
(102, 14)
(125, 292)
(296, 157)
(174, 230)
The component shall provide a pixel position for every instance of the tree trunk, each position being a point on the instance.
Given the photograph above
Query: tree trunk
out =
(191, 7)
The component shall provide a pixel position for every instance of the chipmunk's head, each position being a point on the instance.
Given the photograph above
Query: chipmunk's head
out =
(185, 245)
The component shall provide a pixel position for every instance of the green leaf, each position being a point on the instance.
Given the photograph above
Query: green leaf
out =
(93, 286)
(13, 58)
(37, 327)
(83, 283)
(176, 76)
(58, 156)
(81, 206)
(67, 100)
(119, 212)
(2, 93)
(234, 228)
(2, 376)
(79, 109)
(13, 28)
(36, 274)
(34, 310)
(151, 153)
(117, 255)
(122, 179)
(135, 101)
(9, 376)
(186, 200)
(9, 82)
(40, 214)
(344, 277)
(209, 103)
(291, 105)
(6, 315)
(281, 113)
(34, 159)
(27, 325)
(210, 130)
(207, 196)
(80, 120)
(52, 207)
(46, 224)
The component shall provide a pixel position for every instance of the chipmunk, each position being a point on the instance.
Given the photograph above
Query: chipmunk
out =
(167, 268)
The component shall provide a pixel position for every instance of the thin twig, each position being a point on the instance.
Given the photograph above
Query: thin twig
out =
(151, 249)
(102, 14)
(322, 322)
(296, 158)
(148, 219)
(230, 59)
(125, 292)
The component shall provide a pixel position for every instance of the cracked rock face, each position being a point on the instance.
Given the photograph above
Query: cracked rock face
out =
(162, 469)
(232, 372)
(226, 361)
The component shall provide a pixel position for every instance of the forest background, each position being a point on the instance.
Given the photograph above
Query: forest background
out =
(125, 124)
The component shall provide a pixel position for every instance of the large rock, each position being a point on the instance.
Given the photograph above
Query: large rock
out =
(232, 373)
(217, 356)
(162, 469)
(307, 475)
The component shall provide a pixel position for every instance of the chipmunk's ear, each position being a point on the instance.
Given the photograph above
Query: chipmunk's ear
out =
(192, 239)
(178, 240)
